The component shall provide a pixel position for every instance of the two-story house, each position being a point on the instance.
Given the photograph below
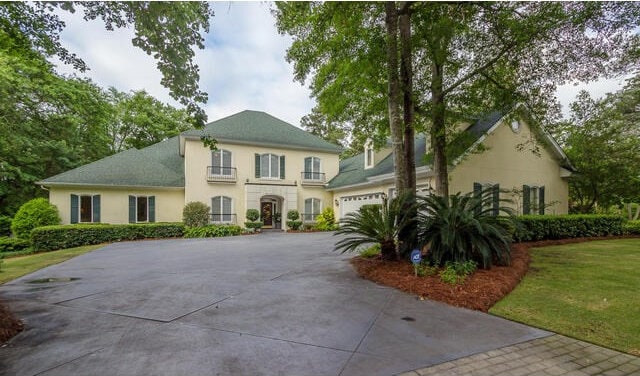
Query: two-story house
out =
(264, 163)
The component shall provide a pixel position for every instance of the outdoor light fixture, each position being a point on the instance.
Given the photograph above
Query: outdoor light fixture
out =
(336, 202)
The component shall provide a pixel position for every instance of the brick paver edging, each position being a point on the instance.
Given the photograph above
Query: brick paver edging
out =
(554, 355)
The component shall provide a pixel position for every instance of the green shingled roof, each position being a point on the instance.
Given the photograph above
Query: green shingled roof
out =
(260, 128)
(158, 165)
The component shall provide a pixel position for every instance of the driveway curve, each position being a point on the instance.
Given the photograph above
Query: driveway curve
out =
(268, 304)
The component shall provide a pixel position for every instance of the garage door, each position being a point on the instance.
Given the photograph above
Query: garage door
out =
(349, 204)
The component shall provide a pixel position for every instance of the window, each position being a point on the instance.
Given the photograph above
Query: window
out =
(142, 209)
(490, 194)
(368, 154)
(221, 163)
(311, 209)
(269, 166)
(85, 208)
(312, 168)
(221, 209)
(533, 199)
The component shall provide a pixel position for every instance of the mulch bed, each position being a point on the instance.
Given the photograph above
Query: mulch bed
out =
(480, 291)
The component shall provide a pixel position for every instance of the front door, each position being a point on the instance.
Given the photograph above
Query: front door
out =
(266, 212)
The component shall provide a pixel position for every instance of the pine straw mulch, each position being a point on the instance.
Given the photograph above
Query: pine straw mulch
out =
(480, 291)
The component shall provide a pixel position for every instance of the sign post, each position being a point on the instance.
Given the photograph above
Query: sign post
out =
(416, 257)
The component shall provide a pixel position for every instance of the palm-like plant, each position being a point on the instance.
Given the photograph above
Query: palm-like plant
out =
(465, 227)
(374, 224)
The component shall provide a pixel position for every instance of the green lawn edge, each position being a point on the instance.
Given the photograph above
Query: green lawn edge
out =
(588, 291)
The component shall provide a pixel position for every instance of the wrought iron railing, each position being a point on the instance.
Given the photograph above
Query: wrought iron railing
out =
(308, 217)
(223, 218)
(313, 177)
(221, 174)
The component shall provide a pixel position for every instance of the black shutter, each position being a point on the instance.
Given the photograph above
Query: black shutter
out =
(151, 201)
(96, 208)
(74, 208)
(526, 198)
(541, 200)
(496, 199)
(477, 194)
(257, 165)
(132, 209)
(282, 167)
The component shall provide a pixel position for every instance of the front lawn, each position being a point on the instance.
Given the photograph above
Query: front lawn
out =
(589, 291)
(16, 267)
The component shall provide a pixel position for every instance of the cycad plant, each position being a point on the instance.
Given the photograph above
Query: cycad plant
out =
(374, 224)
(465, 227)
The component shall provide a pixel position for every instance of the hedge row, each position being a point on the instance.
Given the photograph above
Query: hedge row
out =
(632, 227)
(13, 244)
(51, 238)
(212, 231)
(544, 227)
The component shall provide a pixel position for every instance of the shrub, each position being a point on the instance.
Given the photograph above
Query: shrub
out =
(543, 227)
(370, 252)
(253, 215)
(51, 238)
(632, 227)
(294, 224)
(423, 269)
(460, 228)
(457, 272)
(13, 244)
(212, 231)
(326, 221)
(32, 214)
(254, 225)
(195, 214)
(293, 215)
(5, 225)
(374, 224)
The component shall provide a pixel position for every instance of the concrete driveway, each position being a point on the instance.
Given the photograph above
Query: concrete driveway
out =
(270, 304)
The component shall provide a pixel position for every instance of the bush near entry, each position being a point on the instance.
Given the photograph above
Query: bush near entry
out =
(32, 214)
(212, 231)
(293, 220)
(195, 214)
(326, 221)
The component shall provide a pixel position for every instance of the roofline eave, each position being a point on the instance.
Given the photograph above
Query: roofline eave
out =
(267, 144)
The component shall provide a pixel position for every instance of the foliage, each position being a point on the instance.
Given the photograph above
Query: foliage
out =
(254, 225)
(631, 227)
(34, 213)
(462, 228)
(371, 252)
(326, 221)
(456, 273)
(67, 236)
(379, 224)
(294, 224)
(5, 225)
(13, 244)
(585, 290)
(317, 124)
(543, 227)
(602, 140)
(252, 214)
(195, 214)
(212, 231)
(15, 267)
(293, 215)
(423, 269)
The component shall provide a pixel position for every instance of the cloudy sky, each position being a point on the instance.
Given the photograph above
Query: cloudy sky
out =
(242, 67)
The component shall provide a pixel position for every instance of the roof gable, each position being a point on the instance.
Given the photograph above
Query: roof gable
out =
(260, 128)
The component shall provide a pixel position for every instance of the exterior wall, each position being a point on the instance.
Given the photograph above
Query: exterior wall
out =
(247, 190)
(339, 195)
(114, 203)
(501, 163)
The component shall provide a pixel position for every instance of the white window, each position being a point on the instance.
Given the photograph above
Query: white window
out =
(221, 163)
(221, 209)
(312, 168)
(270, 166)
(368, 154)
(311, 209)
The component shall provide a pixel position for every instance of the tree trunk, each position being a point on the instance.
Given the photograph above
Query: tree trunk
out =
(438, 132)
(395, 119)
(388, 250)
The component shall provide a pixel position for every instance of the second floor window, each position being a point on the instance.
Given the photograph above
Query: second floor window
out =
(270, 166)
(221, 162)
(312, 168)
(221, 209)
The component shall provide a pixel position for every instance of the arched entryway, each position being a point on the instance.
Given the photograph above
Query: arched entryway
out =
(271, 211)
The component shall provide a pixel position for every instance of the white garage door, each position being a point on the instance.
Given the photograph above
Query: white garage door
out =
(350, 204)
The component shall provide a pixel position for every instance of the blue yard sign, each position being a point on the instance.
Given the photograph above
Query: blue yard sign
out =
(416, 256)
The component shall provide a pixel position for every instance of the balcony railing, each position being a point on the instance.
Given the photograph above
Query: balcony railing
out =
(223, 218)
(307, 217)
(309, 177)
(221, 174)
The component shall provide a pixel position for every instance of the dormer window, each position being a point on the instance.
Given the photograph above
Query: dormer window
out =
(368, 154)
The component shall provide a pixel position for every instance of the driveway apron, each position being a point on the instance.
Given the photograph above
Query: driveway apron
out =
(268, 304)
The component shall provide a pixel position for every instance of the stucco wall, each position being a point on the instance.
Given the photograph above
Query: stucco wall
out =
(114, 203)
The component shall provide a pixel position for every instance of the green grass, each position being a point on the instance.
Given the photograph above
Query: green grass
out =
(16, 267)
(589, 291)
